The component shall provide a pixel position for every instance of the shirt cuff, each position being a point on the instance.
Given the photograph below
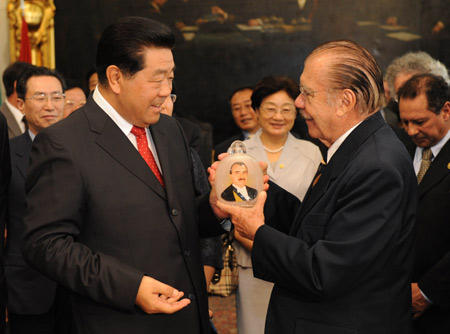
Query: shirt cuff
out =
(226, 224)
(426, 298)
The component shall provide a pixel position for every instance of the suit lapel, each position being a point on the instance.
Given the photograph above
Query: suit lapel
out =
(337, 164)
(162, 148)
(113, 141)
(439, 168)
(23, 153)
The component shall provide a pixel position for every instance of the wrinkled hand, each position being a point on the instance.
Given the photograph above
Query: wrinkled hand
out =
(156, 297)
(246, 220)
(419, 303)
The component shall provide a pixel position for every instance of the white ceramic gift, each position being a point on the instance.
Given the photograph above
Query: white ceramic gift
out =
(239, 178)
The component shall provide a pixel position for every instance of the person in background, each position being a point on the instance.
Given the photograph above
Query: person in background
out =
(390, 110)
(91, 79)
(211, 248)
(75, 97)
(33, 299)
(15, 119)
(424, 102)
(244, 116)
(345, 265)
(5, 176)
(292, 164)
(404, 67)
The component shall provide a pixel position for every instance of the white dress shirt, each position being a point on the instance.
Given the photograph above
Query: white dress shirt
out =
(124, 125)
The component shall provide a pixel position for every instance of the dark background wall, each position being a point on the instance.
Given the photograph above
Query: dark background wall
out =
(221, 56)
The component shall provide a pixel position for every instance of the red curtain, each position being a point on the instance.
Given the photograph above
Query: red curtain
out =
(25, 45)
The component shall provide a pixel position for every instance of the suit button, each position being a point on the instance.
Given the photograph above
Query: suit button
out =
(175, 212)
(191, 296)
(187, 252)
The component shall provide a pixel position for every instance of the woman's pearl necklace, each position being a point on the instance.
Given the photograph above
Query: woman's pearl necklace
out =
(273, 151)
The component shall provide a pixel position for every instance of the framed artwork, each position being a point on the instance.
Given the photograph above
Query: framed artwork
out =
(225, 44)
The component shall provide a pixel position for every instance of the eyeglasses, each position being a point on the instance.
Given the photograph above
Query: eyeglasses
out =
(42, 97)
(270, 109)
(173, 97)
(72, 103)
(308, 93)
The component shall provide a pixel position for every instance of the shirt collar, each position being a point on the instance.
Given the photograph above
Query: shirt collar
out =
(121, 122)
(333, 148)
(436, 148)
(31, 134)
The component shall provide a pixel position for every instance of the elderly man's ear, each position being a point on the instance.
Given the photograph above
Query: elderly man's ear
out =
(346, 102)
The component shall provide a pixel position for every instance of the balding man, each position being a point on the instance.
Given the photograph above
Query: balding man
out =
(346, 263)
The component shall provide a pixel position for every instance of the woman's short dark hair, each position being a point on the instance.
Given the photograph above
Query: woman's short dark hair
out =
(271, 85)
(123, 44)
(36, 71)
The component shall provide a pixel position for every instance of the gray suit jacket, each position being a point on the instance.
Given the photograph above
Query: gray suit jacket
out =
(13, 127)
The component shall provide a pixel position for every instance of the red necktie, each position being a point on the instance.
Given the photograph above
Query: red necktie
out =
(146, 153)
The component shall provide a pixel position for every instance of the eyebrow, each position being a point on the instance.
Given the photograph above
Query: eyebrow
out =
(162, 71)
(55, 91)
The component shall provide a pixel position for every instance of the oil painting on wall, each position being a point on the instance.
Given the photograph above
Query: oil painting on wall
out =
(224, 44)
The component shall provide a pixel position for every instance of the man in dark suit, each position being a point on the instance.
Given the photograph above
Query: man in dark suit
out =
(111, 210)
(346, 265)
(16, 122)
(244, 116)
(238, 190)
(31, 302)
(5, 176)
(425, 112)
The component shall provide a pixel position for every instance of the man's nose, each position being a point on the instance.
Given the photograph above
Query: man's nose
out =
(49, 104)
(411, 130)
(300, 102)
(166, 88)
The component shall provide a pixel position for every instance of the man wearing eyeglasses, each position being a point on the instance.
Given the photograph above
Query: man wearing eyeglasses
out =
(31, 295)
(345, 265)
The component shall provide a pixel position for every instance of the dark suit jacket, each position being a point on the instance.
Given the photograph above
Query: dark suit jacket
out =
(228, 193)
(346, 265)
(29, 291)
(5, 175)
(223, 146)
(13, 128)
(98, 220)
(432, 243)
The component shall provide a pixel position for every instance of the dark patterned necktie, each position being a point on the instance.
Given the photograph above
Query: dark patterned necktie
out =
(427, 155)
(146, 153)
(24, 120)
(319, 173)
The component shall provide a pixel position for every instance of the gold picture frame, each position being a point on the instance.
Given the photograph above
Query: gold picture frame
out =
(39, 15)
